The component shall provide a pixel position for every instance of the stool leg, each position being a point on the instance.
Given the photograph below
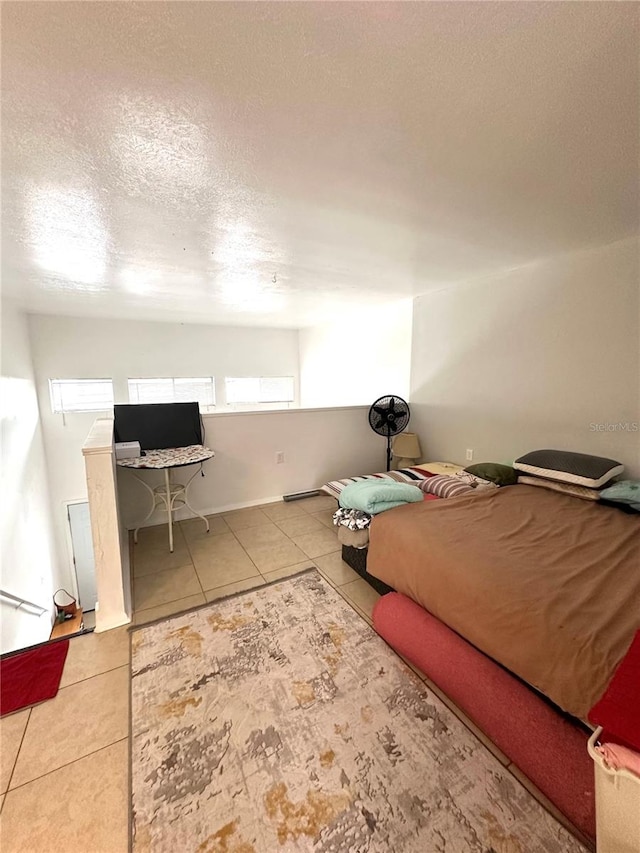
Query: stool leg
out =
(188, 505)
(154, 503)
(145, 519)
(167, 484)
(195, 511)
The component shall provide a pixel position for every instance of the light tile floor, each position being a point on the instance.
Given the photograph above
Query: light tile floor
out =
(64, 764)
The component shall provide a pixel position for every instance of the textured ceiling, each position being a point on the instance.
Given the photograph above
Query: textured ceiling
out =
(277, 163)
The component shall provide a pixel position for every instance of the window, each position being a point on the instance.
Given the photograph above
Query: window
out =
(263, 389)
(173, 390)
(81, 395)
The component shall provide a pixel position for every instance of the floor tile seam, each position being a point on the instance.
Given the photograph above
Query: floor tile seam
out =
(281, 567)
(95, 675)
(348, 600)
(154, 606)
(193, 566)
(198, 576)
(135, 577)
(68, 764)
(253, 563)
(15, 762)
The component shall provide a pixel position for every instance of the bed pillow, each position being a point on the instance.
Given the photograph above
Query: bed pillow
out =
(433, 468)
(624, 492)
(404, 475)
(567, 488)
(475, 482)
(443, 486)
(566, 467)
(501, 475)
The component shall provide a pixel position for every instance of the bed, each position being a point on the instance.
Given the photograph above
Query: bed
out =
(544, 583)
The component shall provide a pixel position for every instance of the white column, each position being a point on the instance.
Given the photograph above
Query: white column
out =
(110, 543)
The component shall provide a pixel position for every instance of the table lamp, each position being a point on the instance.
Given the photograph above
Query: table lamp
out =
(406, 449)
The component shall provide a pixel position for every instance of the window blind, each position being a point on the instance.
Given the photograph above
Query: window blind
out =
(81, 395)
(173, 390)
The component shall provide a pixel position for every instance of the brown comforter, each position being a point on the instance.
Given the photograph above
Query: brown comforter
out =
(546, 584)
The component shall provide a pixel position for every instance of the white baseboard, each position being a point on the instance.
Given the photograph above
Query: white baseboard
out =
(183, 514)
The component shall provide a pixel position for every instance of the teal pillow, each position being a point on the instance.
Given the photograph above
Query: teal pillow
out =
(624, 492)
(501, 475)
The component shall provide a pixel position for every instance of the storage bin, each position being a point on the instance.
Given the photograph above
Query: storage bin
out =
(617, 805)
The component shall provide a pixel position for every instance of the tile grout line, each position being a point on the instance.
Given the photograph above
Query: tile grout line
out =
(155, 574)
(74, 684)
(155, 606)
(68, 764)
(193, 565)
(15, 763)
(204, 592)
(260, 574)
(95, 675)
(253, 563)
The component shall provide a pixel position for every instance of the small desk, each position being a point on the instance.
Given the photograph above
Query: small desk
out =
(172, 495)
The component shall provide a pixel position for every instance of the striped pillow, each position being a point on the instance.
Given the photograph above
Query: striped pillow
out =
(404, 475)
(444, 486)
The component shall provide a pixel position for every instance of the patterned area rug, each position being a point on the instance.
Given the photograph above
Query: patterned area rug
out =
(277, 720)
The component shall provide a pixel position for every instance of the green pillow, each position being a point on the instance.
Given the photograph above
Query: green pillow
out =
(501, 475)
(624, 492)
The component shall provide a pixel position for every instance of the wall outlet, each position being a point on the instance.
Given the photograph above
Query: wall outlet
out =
(279, 457)
(469, 455)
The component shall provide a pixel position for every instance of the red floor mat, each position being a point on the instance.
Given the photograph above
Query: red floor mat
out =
(31, 676)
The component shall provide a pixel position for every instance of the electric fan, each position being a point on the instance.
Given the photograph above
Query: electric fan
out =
(389, 416)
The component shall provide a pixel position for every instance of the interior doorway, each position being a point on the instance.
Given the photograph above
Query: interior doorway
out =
(82, 550)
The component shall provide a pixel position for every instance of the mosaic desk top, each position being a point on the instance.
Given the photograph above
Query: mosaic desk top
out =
(169, 457)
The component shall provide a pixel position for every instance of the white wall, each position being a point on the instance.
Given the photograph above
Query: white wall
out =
(358, 358)
(531, 359)
(67, 347)
(318, 444)
(120, 349)
(29, 566)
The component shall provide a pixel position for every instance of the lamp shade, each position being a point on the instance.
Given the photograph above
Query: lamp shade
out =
(406, 445)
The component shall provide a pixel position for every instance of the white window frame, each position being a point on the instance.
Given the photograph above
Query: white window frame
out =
(208, 404)
(261, 402)
(56, 395)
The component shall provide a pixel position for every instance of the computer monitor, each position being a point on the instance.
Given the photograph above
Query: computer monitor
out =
(158, 425)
